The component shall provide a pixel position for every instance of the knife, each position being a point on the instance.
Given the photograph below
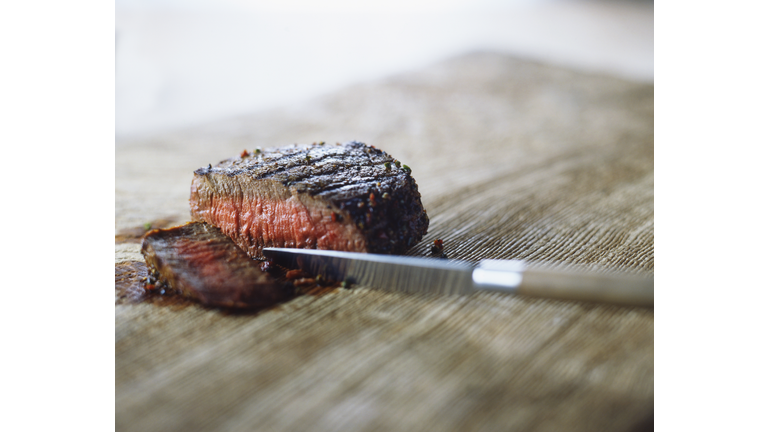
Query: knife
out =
(432, 275)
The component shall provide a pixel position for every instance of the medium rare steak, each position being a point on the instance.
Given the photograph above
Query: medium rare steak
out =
(350, 197)
(199, 261)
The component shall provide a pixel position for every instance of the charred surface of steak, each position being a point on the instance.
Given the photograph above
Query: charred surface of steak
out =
(350, 197)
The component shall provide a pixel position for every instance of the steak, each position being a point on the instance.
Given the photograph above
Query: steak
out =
(350, 197)
(199, 261)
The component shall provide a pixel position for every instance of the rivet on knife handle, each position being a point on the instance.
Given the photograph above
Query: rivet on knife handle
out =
(514, 277)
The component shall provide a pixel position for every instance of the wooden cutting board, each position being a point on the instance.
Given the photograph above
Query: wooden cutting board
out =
(513, 160)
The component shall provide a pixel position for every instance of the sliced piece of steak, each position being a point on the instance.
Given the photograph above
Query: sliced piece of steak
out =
(350, 197)
(199, 261)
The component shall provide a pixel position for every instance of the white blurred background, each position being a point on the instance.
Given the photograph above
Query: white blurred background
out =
(182, 62)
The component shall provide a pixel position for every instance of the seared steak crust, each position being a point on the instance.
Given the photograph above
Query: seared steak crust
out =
(346, 197)
(199, 261)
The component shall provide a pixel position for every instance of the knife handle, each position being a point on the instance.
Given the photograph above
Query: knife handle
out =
(514, 277)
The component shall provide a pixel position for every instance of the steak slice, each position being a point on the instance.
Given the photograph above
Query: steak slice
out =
(350, 197)
(199, 261)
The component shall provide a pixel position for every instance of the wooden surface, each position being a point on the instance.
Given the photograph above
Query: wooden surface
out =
(513, 160)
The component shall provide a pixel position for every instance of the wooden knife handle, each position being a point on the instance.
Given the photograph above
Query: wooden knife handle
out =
(515, 278)
(629, 291)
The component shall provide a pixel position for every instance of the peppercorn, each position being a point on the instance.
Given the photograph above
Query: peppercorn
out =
(347, 283)
(437, 247)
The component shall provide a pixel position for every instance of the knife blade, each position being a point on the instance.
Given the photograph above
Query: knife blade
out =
(451, 277)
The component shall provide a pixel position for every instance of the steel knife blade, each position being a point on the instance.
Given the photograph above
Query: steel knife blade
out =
(432, 275)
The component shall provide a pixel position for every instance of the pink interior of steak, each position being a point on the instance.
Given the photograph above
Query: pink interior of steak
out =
(276, 219)
(210, 263)
(203, 263)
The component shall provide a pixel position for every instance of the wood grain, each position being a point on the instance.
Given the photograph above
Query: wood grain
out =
(514, 160)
